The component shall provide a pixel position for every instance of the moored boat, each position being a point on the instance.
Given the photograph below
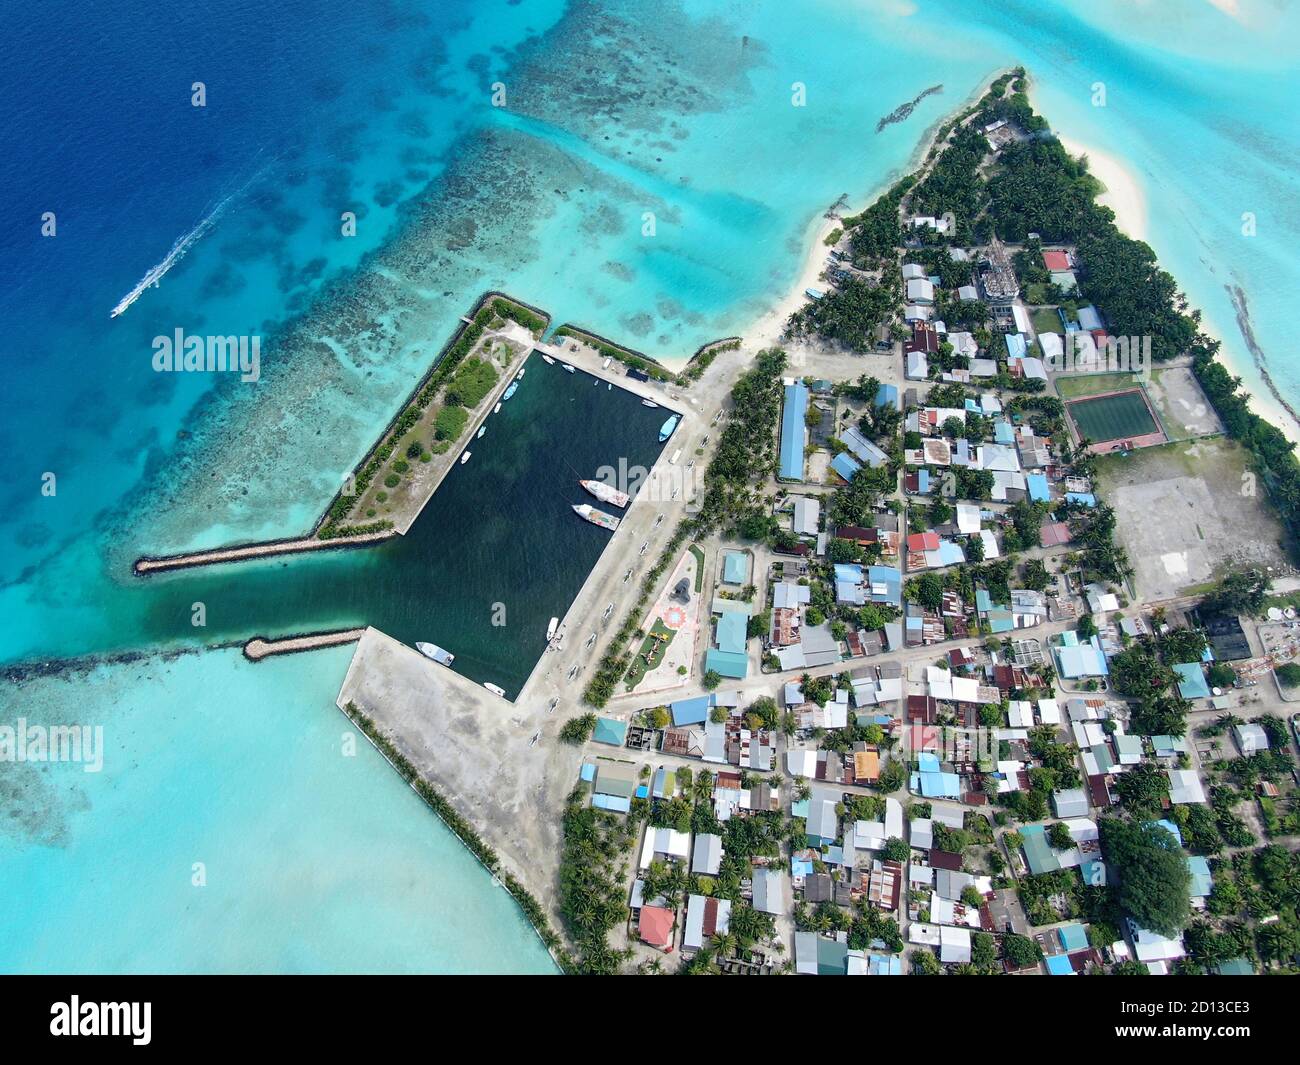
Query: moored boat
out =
(666, 430)
(606, 493)
(497, 408)
(649, 403)
(465, 457)
(550, 629)
(440, 655)
(548, 360)
(596, 517)
(495, 689)
(567, 367)
(514, 387)
(481, 430)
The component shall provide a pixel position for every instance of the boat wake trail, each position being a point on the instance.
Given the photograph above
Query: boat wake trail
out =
(154, 274)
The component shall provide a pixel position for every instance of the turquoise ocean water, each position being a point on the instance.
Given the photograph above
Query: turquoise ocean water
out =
(613, 110)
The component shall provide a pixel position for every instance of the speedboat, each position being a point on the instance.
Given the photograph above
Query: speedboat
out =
(649, 403)
(550, 629)
(481, 430)
(465, 457)
(438, 654)
(567, 368)
(497, 408)
(494, 689)
(666, 430)
(514, 387)
(548, 360)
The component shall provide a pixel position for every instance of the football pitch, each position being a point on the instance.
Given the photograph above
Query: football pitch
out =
(1118, 416)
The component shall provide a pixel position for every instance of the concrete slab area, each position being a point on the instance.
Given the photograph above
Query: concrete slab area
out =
(474, 749)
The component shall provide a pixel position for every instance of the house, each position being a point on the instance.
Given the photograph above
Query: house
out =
(735, 567)
(769, 891)
(1185, 787)
(920, 291)
(807, 515)
(918, 367)
(794, 431)
(862, 448)
(656, 926)
(664, 843)
(818, 955)
(845, 466)
(614, 786)
(1191, 680)
(705, 917)
(1055, 260)
(1250, 738)
(1070, 802)
(707, 857)
(609, 731)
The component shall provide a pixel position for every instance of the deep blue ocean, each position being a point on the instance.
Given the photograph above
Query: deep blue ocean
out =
(385, 111)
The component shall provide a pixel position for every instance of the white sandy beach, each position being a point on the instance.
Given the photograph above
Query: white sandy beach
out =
(1123, 194)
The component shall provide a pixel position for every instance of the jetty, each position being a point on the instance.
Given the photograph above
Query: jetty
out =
(243, 552)
(259, 647)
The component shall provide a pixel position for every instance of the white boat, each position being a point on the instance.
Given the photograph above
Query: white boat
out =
(548, 360)
(497, 408)
(438, 654)
(606, 493)
(481, 430)
(649, 403)
(609, 387)
(494, 689)
(550, 629)
(520, 374)
(465, 458)
(567, 367)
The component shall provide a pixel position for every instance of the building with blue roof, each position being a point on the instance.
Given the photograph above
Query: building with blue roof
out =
(1003, 433)
(887, 396)
(1191, 681)
(794, 431)
(885, 585)
(845, 465)
(609, 731)
(937, 785)
(735, 567)
(732, 632)
(691, 711)
(884, 965)
(726, 663)
(1037, 487)
(1086, 499)
(1017, 345)
(1202, 883)
(1059, 965)
(1073, 936)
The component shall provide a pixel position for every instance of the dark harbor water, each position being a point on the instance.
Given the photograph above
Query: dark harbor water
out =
(496, 553)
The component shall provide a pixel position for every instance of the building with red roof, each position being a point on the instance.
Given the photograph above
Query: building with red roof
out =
(656, 927)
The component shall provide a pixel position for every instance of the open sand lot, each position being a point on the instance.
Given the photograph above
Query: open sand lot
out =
(1180, 520)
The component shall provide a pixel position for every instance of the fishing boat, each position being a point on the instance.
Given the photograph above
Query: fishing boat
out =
(494, 689)
(550, 629)
(438, 654)
(666, 430)
(465, 458)
(596, 517)
(548, 360)
(481, 430)
(567, 367)
(514, 387)
(606, 493)
(649, 403)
